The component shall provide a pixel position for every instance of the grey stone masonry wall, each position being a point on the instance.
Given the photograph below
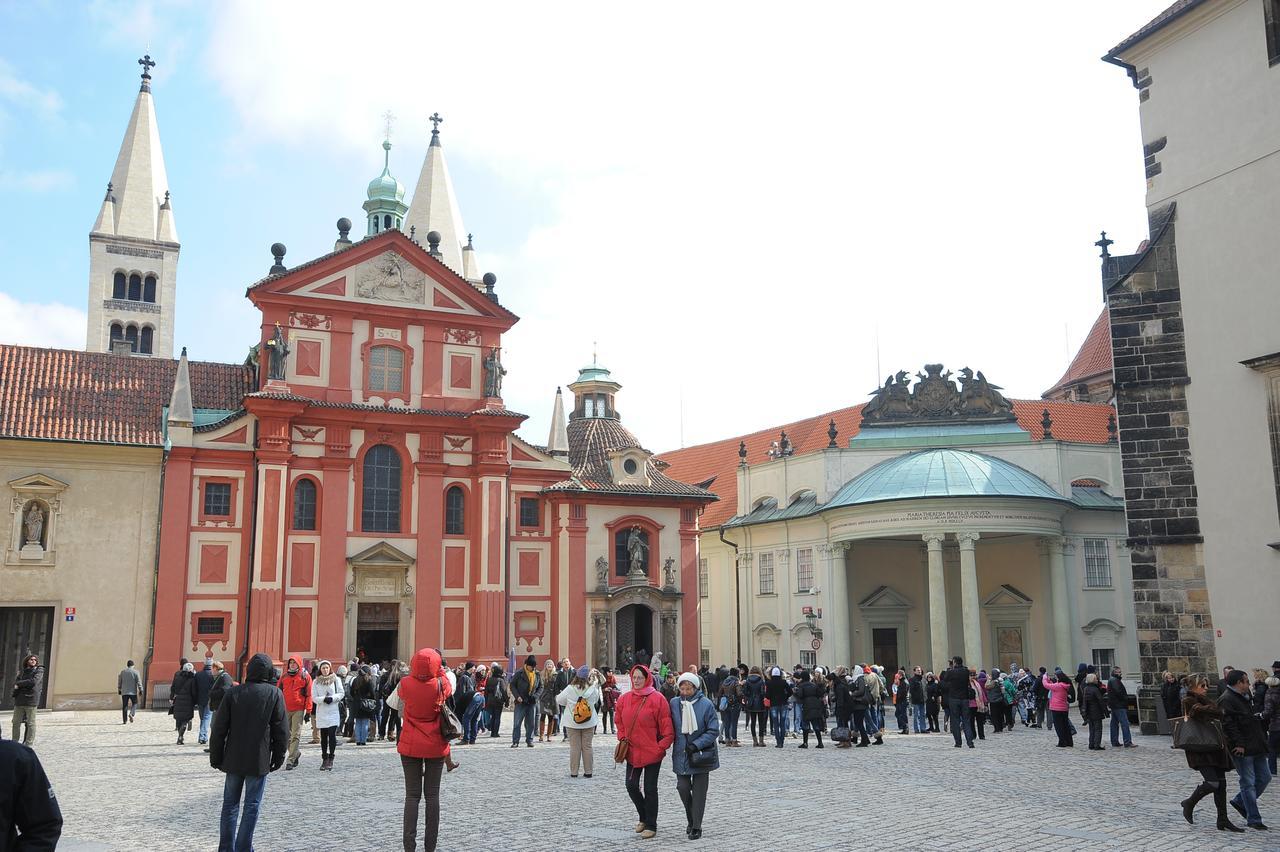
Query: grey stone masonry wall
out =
(1170, 597)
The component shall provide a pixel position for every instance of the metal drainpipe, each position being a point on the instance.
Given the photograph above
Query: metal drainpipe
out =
(506, 573)
(155, 581)
(737, 598)
(243, 659)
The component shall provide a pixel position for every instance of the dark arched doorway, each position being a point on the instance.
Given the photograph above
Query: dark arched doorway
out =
(634, 633)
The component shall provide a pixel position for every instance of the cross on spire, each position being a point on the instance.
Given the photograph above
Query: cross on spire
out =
(1105, 244)
(388, 119)
(147, 64)
(435, 120)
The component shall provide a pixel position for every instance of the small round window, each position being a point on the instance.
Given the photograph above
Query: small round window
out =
(630, 467)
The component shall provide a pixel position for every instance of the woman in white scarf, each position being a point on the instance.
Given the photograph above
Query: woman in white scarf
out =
(694, 754)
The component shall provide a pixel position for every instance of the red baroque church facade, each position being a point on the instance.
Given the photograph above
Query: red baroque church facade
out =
(372, 495)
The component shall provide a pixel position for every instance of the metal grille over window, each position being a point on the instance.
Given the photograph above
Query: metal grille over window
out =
(766, 573)
(769, 658)
(455, 508)
(804, 569)
(209, 626)
(380, 507)
(528, 511)
(386, 369)
(808, 659)
(217, 499)
(704, 581)
(304, 505)
(1103, 660)
(1097, 563)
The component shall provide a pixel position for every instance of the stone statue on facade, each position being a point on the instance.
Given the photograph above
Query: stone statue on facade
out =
(891, 400)
(978, 396)
(602, 573)
(278, 355)
(33, 522)
(669, 572)
(637, 551)
(935, 399)
(493, 373)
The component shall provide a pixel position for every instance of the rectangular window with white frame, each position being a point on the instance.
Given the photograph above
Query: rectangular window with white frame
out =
(804, 569)
(766, 573)
(1103, 660)
(704, 657)
(1097, 564)
(768, 658)
(704, 580)
(808, 659)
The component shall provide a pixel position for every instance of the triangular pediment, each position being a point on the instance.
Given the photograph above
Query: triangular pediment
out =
(385, 269)
(885, 598)
(38, 483)
(1007, 596)
(381, 555)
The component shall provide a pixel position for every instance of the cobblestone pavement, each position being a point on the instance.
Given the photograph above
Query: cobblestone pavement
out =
(131, 787)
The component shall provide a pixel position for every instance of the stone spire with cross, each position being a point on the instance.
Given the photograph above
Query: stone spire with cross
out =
(434, 208)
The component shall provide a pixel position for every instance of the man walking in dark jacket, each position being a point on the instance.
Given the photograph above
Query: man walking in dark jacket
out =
(525, 686)
(204, 682)
(1118, 700)
(128, 687)
(30, 818)
(249, 738)
(955, 692)
(1248, 744)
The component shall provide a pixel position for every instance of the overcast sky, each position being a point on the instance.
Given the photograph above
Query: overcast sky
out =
(757, 210)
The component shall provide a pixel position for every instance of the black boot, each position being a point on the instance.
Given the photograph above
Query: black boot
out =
(1189, 803)
(805, 744)
(818, 734)
(1220, 802)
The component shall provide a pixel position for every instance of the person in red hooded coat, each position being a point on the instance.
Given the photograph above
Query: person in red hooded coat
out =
(643, 719)
(423, 751)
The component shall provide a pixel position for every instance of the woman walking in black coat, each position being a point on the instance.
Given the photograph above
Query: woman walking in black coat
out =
(809, 696)
(496, 697)
(753, 702)
(1094, 707)
(842, 701)
(1212, 765)
(182, 698)
(1171, 696)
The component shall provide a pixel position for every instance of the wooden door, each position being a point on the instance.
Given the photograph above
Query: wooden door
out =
(24, 630)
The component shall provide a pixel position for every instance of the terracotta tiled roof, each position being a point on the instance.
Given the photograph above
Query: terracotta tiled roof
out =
(94, 397)
(1071, 421)
(1093, 359)
(384, 409)
(1177, 10)
(590, 441)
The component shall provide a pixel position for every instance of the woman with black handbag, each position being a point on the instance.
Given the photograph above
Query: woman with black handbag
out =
(694, 755)
(1196, 736)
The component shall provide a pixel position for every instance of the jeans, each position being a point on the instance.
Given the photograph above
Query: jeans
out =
(525, 714)
(871, 722)
(918, 720)
(128, 706)
(1120, 722)
(693, 793)
(730, 727)
(777, 718)
(959, 713)
(362, 731)
(1254, 777)
(471, 718)
(253, 786)
(421, 780)
(205, 715)
(797, 717)
(900, 714)
(494, 723)
(646, 801)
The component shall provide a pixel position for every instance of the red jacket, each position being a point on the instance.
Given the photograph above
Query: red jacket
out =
(296, 687)
(643, 718)
(421, 695)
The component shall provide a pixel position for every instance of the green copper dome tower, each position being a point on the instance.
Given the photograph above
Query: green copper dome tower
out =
(386, 207)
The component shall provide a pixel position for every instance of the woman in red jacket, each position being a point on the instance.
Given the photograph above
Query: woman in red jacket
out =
(644, 720)
(423, 751)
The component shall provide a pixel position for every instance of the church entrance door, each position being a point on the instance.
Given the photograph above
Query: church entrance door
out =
(24, 630)
(378, 631)
(634, 626)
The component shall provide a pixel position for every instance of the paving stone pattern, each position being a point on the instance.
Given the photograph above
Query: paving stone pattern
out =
(130, 787)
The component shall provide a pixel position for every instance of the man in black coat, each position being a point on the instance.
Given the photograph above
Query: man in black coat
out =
(30, 818)
(525, 686)
(204, 683)
(955, 692)
(1118, 701)
(249, 739)
(1248, 744)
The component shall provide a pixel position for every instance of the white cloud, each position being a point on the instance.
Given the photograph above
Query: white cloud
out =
(44, 180)
(50, 324)
(16, 91)
(736, 200)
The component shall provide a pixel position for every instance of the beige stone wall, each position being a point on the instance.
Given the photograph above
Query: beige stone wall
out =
(104, 562)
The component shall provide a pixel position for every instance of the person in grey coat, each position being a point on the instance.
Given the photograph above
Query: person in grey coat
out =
(694, 719)
(129, 687)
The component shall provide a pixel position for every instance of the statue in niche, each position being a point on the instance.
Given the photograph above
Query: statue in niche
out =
(602, 572)
(637, 551)
(493, 373)
(33, 526)
(669, 572)
(278, 355)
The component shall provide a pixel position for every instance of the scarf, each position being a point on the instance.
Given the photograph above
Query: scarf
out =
(688, 721)
(326, 680)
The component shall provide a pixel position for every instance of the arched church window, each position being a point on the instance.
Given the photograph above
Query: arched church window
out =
(386, 369)
(386, 221)
(145, 340)
(149, 289)
(304, 505)
(118, 286)
(135, 287)
(380, 495)
(131, 335)
(455, 511)
(117, 332)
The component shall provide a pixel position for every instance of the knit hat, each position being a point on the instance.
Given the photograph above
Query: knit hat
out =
(689, 678)
(775, 672)
(187, 667)
(531, 660)
(583, 672)
(982, 677)
(342, 671)
(322, 663)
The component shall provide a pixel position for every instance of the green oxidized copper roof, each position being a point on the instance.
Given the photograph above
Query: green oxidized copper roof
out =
(384, 187)
(593, 373)
(942, 473)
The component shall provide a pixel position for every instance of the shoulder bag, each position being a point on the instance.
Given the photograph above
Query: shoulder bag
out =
(702, 758)
(621, 749)
(450, 727)
(1195, 736)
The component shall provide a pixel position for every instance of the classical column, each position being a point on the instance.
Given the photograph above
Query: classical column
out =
(1061, 604)
(971, 617)
(839, 631)
(937, 602)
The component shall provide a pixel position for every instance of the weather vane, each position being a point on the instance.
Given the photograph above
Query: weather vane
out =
(388, 119)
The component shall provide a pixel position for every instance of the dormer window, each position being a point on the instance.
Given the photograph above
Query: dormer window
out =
(630, 466)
